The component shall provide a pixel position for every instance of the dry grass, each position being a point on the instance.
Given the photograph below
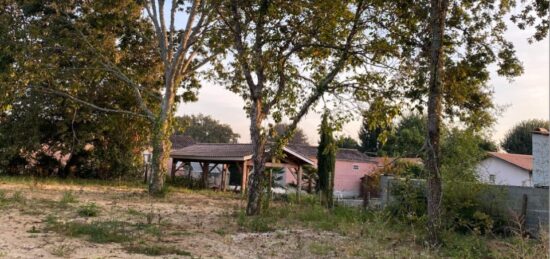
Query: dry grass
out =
(90, 221)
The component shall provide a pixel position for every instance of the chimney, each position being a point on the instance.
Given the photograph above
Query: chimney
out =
(541, 157)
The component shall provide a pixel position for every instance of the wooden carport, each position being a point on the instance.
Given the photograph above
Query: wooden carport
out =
(238, 154)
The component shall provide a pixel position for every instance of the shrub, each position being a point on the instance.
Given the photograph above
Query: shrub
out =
(88, 210)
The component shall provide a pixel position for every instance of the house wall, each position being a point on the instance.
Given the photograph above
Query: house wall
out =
(541, 160)
(347, 180)
(505, 173)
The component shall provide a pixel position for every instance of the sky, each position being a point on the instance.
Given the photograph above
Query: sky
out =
(526, 97)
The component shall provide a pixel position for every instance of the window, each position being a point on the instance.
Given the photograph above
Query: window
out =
(355, 167)
(492, 178)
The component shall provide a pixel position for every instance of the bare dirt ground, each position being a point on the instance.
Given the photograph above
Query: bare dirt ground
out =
(197, 225)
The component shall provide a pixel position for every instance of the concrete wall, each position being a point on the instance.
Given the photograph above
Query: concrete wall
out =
(505, 173)
(541, 160)
(537, 205)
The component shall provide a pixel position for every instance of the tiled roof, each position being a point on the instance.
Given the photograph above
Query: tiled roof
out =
(342, 154)
(541, 131)
(522, 161)
(181, 141)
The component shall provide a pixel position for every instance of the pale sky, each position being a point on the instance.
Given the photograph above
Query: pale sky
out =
(527, 97)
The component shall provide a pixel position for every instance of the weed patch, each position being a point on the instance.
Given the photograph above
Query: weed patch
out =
(156, 250)
(89, 210)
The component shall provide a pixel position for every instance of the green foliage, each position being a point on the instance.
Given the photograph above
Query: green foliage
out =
(89, 210)
(518, 139)
(408, 137)
(467, 207)
(326, 160)
(298, 136)
(68, 197)
(471, 207)
(97, 232)
(346, 142)
(205, 129)
(409, 201)
(67, 56)
(156, 250)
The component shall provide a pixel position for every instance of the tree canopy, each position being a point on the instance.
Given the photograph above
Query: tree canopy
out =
(518, 139)
(205, 129)
(298, 136)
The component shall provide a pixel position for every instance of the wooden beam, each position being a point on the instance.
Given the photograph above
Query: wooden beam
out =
(299, 183)
(244, 179)
(174, 168)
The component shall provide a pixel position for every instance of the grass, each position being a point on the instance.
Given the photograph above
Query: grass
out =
(98, 232)
(88, 210)
(5, 179)
(156, 250)
(375, 234)
(67, 198)
(62, 250)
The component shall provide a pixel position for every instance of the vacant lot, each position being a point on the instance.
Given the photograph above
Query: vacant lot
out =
(39, 220)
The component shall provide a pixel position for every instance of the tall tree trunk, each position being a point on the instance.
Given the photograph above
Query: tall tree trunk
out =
(433, 163)
(161, 154)
(255, 182)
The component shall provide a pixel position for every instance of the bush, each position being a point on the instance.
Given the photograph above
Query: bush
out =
(89, 210)
(409, 201)
(467, 206)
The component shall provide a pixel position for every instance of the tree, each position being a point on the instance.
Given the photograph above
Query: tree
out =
(44, 59)
(298, 136)
(288, 54)
(408, 137)
(326, 161)
(346, 142)
(451, 47)
(518, 140)
(205, 129)
(181, 52)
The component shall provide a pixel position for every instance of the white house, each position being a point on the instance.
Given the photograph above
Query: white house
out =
(541, 158)
(506, 169)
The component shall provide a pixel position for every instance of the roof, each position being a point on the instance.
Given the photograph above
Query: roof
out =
(215, 151)
(181, 141)
(541, 131)
(224, 152)
(342, 153)
(522, 161)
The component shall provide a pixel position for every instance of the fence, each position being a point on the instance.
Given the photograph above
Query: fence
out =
(528, 202)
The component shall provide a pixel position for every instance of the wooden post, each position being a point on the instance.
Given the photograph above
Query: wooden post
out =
(173, 170)
(145, 174)
(299, 183)
(204, 179)
(244, 178)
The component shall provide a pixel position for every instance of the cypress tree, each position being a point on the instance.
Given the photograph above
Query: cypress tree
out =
(326, 158)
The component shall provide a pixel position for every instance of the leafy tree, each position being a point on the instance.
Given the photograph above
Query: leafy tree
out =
(377, 126)
(518, 140)
(81, 33)
(346, 142)
(205, 129)
(48, 59)
(452, 45)
(326, 161)
(298, 136)
(407, 139)
(287, 55)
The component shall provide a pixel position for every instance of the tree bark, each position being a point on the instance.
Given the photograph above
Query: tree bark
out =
(433, 163)
(258, 145)
(161, 154)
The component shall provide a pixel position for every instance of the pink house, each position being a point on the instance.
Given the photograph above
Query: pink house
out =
(351, 166)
